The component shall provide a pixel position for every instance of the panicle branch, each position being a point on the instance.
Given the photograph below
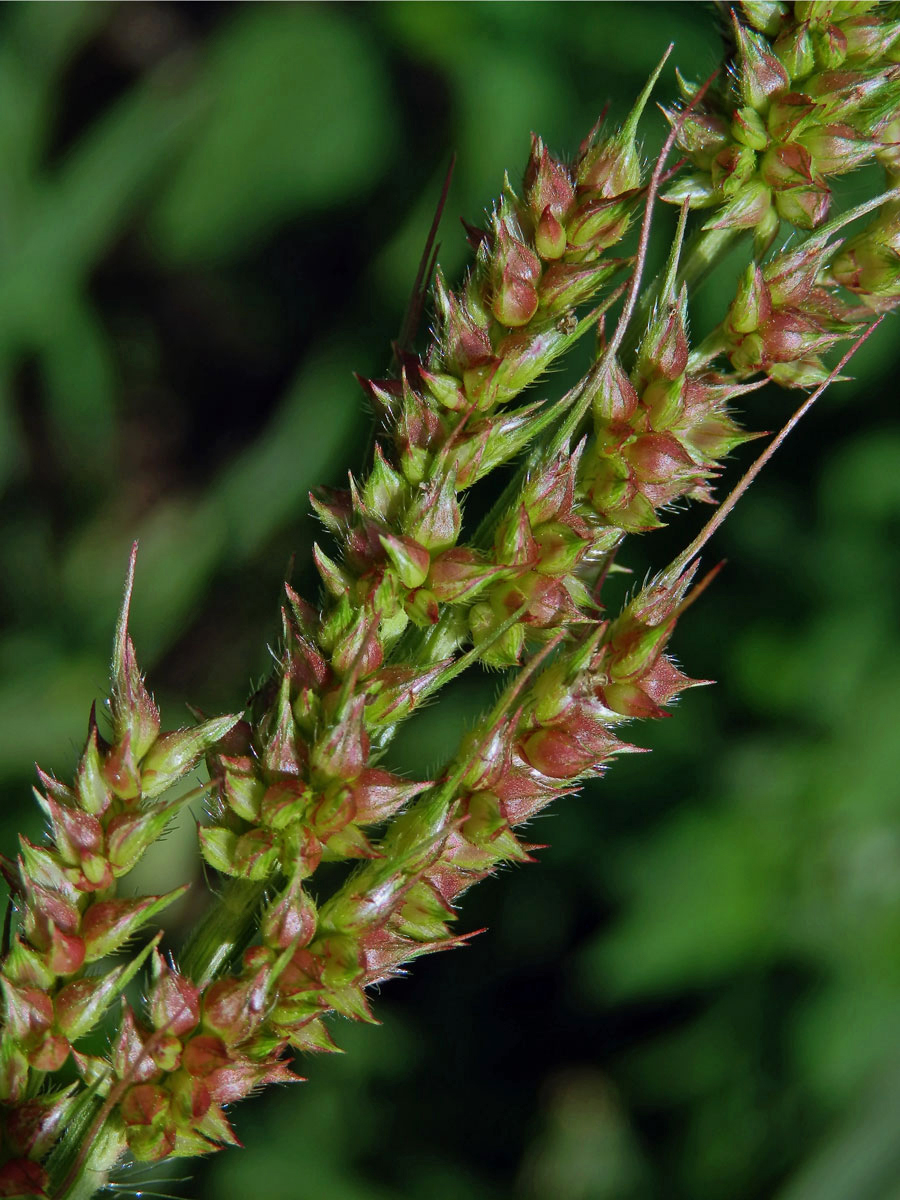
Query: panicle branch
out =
(813, 94)
(296, 782)
(57, 976)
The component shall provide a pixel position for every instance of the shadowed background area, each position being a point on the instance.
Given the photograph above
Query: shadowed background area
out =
(210, 215)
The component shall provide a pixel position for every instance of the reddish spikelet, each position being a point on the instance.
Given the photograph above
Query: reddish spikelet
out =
(660, 432)
(869, 263)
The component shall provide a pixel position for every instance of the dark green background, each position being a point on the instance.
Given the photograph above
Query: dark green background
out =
(209, 216)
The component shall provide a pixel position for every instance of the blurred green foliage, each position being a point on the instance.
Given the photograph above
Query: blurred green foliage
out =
(209, 215)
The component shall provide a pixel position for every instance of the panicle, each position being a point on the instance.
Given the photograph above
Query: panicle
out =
(541, 742)
(69, 915)
(299, 783)
(814, 91)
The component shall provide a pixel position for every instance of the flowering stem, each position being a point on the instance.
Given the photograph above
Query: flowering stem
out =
(223, 930)
(704, 252)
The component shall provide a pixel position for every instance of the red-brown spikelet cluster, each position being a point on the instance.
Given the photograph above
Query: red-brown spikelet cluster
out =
(203, 1048)
(538, 547)
(782, 320)
(56, 976)
(173, 1074)
(294, 783)
(659, 434)
(791, 311)
(547, 734)
(660, 431)
(814, 94)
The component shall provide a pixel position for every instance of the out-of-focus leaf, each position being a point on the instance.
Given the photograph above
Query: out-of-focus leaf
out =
(47, 42)
(860, 1157)
(862, 482)
(92, 194)
(586, 1149)
(299, 118)
(10, 449)
(34, 48)
(69, 220)
(43, 709)
(500, 96)
(183, 539)
(81, 385)
(704, 896)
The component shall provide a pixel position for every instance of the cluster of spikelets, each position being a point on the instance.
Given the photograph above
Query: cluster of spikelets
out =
(812, 90)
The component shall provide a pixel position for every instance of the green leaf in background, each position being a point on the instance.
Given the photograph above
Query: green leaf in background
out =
(298, 115)
(57, 224)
